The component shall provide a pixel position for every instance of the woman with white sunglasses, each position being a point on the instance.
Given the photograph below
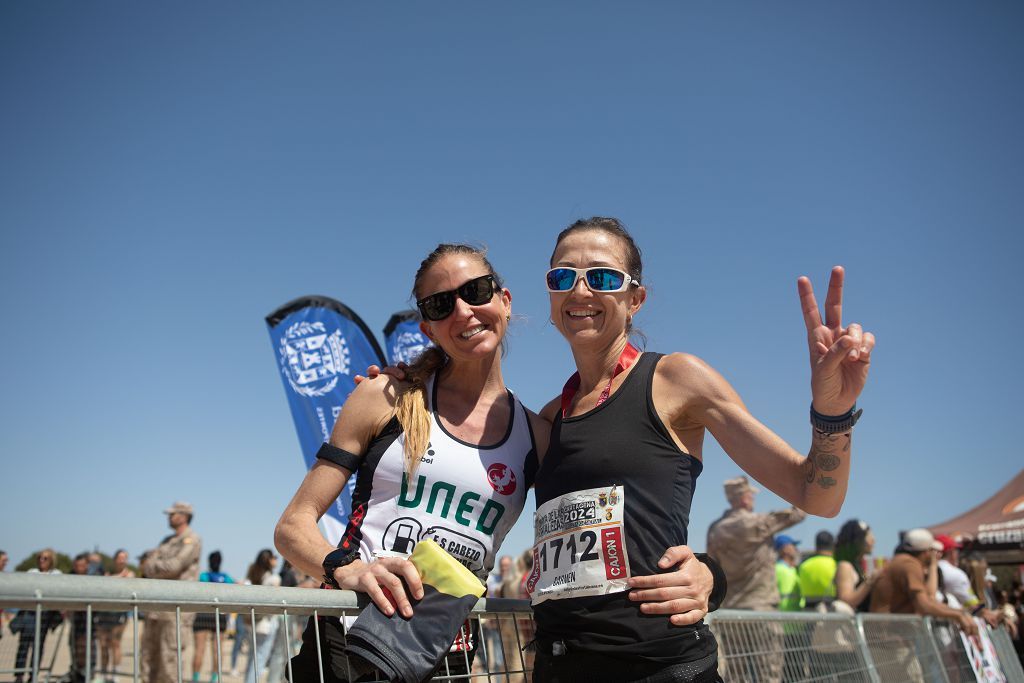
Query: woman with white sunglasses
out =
(626, 443)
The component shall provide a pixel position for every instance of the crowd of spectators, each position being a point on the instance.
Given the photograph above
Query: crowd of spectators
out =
(925, 575)
(175, 557)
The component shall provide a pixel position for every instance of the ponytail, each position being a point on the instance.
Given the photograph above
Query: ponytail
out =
(411, 407)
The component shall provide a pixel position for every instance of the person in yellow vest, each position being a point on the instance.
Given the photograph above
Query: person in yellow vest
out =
(818, 572)
(786, 577)
(817, 576)
(790, 600)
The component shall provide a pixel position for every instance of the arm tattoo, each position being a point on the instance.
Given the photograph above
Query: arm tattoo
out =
(825, 456)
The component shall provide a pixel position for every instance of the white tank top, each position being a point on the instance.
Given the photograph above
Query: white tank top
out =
(463, 496)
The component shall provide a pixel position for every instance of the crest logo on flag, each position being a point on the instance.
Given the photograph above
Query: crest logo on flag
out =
(407, 347)
(311, 358)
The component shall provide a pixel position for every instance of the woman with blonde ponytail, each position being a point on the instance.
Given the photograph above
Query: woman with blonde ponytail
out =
(447, 454)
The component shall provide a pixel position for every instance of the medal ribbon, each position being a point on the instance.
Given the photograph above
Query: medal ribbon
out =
(626, 359)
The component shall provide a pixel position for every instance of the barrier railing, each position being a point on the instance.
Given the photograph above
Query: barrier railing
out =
(868, 648)
(753, 646)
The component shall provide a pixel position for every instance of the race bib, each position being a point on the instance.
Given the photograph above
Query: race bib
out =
(580, 546)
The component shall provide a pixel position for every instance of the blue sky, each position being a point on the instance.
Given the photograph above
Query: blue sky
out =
(172, 174)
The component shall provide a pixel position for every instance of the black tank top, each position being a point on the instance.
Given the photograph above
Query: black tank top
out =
(623, 441)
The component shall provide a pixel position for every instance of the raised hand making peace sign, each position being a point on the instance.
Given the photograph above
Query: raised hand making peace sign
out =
(840, 356)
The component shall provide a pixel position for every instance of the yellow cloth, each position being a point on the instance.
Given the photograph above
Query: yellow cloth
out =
(442, 571)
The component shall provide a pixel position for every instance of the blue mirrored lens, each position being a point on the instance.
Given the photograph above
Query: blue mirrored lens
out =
(604, 279)
(561, 279)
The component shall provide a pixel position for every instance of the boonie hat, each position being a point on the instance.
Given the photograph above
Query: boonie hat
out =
(179, 506)
(737, 486)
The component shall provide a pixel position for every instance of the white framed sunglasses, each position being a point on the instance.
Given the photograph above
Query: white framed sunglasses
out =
(598, 279)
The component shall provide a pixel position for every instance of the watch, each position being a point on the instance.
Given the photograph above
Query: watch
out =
(829, 424)
(340, 557)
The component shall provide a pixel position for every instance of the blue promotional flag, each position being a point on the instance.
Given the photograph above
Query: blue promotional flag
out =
(320, 344)
(403, 339)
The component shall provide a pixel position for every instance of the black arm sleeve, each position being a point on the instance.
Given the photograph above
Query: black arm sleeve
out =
(342, 458)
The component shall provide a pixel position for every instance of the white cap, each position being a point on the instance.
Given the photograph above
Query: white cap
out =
(918, 540)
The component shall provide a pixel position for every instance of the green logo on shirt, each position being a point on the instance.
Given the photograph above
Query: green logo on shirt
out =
(468, 511)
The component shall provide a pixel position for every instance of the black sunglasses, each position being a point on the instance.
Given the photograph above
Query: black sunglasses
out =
(475, 292)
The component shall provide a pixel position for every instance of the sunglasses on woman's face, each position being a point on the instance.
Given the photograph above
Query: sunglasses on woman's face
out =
(598, 279)
(476, 292)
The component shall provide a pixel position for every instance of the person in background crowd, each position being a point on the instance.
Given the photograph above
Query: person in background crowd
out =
(902, 588)
(742, 542)
(95, 564)
(3, 567)
(976, 568)
(177, 558)
(78, 638)
(261, 573)
(955, 582)
(494, 659)
(513, 587)
(818, 572)
(289, 575)
(991, 601)
(1007, 614)
(206, 622)
(1017, 598)
(241, 641)
(279, 653)
(110, 625)
(790, 600)
(853, 544)
(24, 623)
(786, 577)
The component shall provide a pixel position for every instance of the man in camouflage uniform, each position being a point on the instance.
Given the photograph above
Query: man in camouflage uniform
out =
(742, 541)
(177, 557)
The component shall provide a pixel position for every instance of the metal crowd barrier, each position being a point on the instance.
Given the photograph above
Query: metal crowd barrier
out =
(502, 628)
(754, 647)
(869, 648)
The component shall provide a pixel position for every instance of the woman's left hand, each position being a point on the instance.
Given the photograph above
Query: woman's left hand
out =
(682, 593)
(840, 356)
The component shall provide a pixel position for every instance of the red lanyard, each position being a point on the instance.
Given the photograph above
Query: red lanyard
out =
(627, 358)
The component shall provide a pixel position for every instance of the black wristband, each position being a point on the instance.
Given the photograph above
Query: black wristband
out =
(834, 424)
(720, 586)
(341, 557)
